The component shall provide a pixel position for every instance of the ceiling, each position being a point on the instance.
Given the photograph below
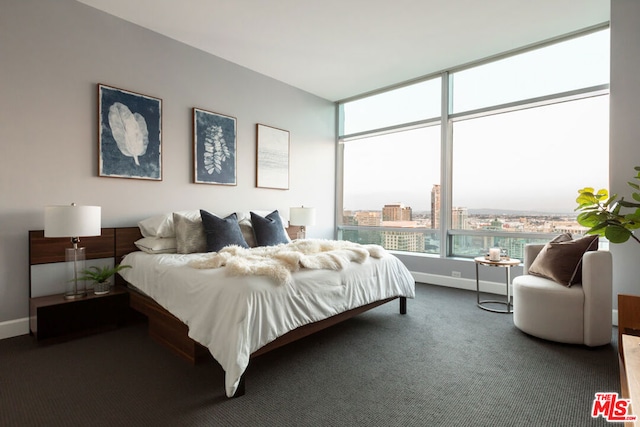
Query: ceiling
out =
(337, 49)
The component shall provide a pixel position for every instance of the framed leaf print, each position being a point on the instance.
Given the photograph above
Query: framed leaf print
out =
(272, 156)
(129, 135)
(214, 148)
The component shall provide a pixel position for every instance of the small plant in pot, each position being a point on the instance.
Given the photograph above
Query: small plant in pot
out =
(100, 277)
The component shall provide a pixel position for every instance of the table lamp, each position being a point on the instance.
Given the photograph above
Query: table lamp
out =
(73, 221)
(302, 217)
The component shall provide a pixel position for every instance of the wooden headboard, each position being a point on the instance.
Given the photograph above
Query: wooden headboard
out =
(48, 250)
(112, 243)
(125, 241)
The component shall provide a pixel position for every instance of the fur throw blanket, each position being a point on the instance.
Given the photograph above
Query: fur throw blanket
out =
(278, 262)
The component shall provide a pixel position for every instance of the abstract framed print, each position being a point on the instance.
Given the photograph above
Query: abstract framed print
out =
(272, 157)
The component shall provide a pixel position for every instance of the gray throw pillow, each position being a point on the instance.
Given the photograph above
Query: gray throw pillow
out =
(190, 236)
(247, 232)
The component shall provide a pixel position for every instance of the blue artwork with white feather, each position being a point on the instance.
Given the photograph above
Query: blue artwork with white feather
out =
(130, 134)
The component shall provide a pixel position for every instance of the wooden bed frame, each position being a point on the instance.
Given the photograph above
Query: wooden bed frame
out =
(164, 327)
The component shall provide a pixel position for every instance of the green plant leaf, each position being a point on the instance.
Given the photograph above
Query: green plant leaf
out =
(602, 194)
(632, 221)
(588, 219)
(626, 204)
(586, 199)
(617, 234)
(100, 274)
(598, 228)
(616, 209)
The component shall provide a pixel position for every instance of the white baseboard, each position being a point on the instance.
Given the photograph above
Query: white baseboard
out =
(470, 285)
(14, 328)
(460, 283)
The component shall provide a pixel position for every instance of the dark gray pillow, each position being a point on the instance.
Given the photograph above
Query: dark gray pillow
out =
(221, 232)
(561, 261)
(268, 230)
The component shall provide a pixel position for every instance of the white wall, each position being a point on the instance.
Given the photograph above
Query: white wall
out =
(53, 54)
(624, 149)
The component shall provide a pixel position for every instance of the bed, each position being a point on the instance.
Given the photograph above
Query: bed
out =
(204, 312)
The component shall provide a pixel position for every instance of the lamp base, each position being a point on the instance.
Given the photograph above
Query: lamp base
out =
(302, 234)
(75, 296)
(75, 264)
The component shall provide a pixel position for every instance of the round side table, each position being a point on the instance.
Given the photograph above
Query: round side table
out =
(507, 264)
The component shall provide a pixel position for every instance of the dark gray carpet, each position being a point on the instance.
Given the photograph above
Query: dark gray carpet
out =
(446, 363)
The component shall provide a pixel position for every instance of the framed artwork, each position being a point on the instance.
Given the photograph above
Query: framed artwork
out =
(129, 135)
(214, 148)
(272, 157)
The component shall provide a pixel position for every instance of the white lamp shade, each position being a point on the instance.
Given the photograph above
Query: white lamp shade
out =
(302, 216)
(72, 221)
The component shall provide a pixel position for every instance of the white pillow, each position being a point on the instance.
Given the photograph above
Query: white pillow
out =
(157, 245)
(149, 227)
(162, 225)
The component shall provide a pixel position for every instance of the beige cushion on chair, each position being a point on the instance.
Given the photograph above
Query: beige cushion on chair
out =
(580, 314)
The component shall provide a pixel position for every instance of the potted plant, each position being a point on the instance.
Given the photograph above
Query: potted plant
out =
(601, 212)
(100, 277)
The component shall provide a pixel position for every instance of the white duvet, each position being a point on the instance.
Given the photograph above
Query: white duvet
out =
(235, 316)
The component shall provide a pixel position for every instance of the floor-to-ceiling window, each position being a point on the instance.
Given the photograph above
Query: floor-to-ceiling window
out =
(393, 143)
(489, 155)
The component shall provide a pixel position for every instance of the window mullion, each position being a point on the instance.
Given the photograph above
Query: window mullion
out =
(445, 166)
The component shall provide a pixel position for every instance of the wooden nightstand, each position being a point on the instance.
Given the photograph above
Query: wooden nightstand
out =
(52, 318)
(628, 331)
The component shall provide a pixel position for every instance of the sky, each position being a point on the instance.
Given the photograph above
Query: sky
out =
(534, 159)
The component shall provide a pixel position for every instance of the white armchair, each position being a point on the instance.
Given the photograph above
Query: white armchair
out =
(580, 314)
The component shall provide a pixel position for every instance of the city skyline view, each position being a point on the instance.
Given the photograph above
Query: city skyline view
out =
(402, 229)
(465, 219)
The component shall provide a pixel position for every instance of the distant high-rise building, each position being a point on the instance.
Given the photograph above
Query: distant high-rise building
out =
(459, 218)
(367, 218)
(496, 224)
(435, 206)
(403, 241)
(396, 212)
(348, 218)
